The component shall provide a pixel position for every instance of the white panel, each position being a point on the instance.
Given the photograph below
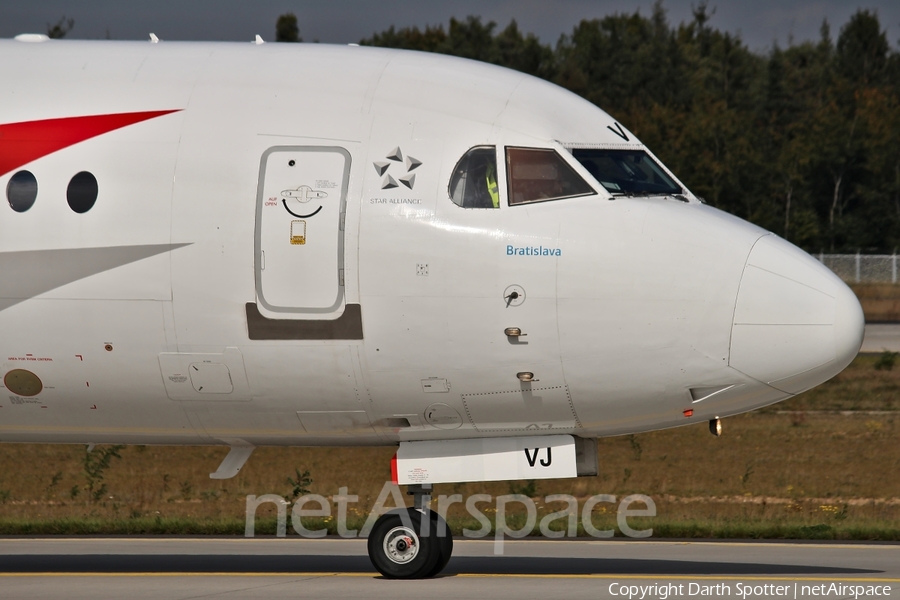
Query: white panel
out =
(491, 459)
(337, 423)
(211, 378)
(222, 376)
(92, 394)
(299, 212)
(308, 378)
(775, 254)
(795, 323)
(435, 385)
(525, 409)
(769, 299)
(772, 352)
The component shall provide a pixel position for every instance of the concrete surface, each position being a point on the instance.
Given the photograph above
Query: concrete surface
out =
(138, 568)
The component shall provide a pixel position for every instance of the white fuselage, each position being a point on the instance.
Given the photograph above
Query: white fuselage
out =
(201, 300)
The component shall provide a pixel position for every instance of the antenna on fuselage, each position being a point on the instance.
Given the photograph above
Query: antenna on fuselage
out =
(154, 39)
(259, 40)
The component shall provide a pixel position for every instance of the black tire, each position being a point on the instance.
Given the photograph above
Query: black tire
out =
(445, 543)
(398, 550)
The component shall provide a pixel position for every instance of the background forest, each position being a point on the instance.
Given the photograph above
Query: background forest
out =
(804, 140)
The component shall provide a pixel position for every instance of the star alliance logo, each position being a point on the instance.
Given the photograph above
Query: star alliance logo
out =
(396, 156)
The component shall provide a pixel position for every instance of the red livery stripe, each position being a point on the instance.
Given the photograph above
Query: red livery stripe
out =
(21, 143)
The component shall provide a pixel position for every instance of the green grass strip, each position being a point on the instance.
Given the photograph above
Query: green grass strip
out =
(760, 530)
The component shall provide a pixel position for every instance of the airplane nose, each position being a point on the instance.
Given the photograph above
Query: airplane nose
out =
(796, 324)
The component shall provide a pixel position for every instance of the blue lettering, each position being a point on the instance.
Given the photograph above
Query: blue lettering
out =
(532, 251)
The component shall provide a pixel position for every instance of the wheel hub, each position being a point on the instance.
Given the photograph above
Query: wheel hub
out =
(401, 545)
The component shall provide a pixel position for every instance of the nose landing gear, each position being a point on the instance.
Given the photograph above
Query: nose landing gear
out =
(411, 543)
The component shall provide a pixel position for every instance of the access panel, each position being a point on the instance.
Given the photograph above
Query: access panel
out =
(529, 408)
(299, 229)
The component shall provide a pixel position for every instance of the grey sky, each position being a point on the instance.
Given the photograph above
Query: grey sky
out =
(759, 22)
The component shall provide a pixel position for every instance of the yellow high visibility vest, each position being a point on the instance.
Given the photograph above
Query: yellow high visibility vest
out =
(493, 190)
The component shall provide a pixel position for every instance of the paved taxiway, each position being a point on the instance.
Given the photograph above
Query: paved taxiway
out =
(138, 568)
(881, 337)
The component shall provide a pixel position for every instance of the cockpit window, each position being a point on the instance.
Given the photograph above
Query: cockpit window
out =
(538, 174)
(474, 180)
(627, 172)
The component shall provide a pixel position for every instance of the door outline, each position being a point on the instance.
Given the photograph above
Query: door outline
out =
(257, 245)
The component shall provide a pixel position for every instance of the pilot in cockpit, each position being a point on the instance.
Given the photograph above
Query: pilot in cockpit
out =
(474, 181)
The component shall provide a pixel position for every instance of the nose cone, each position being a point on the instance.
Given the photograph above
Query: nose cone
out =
(796, 324)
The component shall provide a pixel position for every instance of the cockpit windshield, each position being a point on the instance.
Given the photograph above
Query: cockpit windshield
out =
(627, 172)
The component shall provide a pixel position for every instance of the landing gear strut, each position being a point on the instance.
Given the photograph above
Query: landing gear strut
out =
(411, 543)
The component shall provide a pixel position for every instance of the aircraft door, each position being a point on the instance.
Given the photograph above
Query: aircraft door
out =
(301, 203)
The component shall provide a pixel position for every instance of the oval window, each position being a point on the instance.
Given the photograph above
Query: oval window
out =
(82, 192)
(21, 191)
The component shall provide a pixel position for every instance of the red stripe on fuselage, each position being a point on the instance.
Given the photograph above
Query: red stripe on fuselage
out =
(21, 143)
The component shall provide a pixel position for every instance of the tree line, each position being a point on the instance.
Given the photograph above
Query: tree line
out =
(803, 140)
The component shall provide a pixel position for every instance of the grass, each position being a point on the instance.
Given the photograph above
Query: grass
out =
(797, 470)
(860, 387)
(771, 527)
(135, 526)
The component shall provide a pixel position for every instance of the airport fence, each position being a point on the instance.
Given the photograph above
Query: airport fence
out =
(862, 268)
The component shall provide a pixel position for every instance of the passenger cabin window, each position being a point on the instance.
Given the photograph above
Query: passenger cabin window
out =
(21, 191)
(627, 172)
(537, 174)
(474, 180)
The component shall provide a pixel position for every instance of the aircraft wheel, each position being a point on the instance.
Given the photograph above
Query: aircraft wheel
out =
(397, 548)
(445, 542)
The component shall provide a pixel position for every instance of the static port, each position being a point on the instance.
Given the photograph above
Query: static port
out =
(108, 347)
